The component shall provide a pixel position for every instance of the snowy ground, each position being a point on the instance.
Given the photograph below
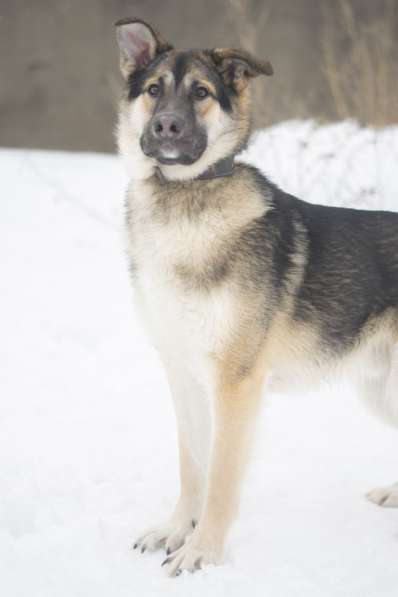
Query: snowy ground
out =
(87, 440)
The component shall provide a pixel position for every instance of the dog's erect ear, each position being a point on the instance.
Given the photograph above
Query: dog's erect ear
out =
(139, 44)
(237, 67)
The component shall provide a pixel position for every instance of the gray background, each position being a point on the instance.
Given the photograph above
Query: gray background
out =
(59, 77)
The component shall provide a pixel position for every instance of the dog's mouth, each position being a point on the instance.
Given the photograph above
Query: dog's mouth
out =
(168, 154)
(184, 151)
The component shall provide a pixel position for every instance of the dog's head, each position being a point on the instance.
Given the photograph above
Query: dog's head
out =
(182, 109)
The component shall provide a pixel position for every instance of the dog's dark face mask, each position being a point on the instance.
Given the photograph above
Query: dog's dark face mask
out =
(174, 133)
(181, 95)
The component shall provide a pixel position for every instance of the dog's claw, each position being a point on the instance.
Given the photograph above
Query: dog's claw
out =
(143, 548)
(166, 561)
(194, 523)
(169, 536)
(177, 572)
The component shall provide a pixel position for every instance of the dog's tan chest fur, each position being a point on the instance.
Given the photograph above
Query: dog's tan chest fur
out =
(179, 244)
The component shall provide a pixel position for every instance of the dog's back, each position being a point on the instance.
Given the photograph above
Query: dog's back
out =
(351, 277)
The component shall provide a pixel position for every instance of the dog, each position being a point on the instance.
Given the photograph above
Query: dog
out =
(237, 280)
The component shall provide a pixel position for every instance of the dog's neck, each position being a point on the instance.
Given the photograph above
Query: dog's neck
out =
(224, 167)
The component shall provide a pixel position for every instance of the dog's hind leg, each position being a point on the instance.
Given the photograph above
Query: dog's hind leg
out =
(388, 496)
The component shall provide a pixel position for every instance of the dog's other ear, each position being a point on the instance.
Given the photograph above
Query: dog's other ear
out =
(139, 44)
(237, 67)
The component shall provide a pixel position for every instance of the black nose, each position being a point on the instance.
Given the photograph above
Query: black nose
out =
(168, 126)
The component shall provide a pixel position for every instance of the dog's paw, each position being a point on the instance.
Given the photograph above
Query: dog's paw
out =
(193, 555)
(171, 536)
(385, 496)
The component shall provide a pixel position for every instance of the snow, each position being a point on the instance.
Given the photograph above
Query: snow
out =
(88, 455)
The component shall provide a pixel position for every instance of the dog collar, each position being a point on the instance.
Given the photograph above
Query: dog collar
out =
(224, 167)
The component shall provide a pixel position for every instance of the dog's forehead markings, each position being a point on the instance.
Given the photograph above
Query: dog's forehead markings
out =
(182, 64)
(185, 63)
(166, 75)
(183, 76)
(200, 78)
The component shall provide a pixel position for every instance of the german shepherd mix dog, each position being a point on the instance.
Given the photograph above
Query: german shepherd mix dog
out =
(236, 279)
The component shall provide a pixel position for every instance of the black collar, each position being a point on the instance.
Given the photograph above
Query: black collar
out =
(224, 167)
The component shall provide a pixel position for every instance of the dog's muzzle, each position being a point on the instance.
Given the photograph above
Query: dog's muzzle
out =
(172, 139)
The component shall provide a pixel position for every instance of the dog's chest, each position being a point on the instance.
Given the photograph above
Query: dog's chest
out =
(170, 253)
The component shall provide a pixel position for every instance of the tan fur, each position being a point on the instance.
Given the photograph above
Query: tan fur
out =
(236, 406)
(206, 106)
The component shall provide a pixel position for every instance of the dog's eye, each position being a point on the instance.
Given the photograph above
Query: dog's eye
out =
(154, 90)
(201, 92)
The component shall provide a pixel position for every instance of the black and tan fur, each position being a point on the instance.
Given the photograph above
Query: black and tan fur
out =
(237, 280)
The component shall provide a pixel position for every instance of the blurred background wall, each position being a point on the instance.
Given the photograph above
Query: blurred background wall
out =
(59, 77)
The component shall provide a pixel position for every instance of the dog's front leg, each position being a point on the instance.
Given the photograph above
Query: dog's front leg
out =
(194, 436)
(235, 409)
